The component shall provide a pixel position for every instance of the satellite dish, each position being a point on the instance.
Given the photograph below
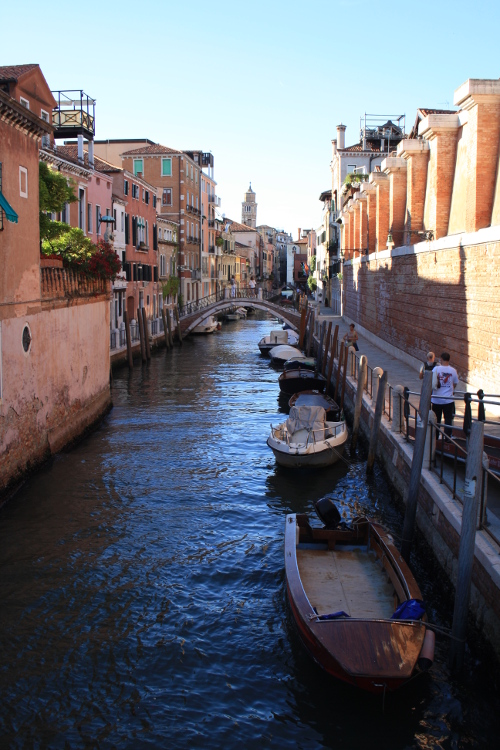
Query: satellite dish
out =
(223, 216)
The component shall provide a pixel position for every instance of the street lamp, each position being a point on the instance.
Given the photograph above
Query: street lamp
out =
(106, 220)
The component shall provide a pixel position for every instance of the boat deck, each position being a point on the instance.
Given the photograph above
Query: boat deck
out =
(348, 579)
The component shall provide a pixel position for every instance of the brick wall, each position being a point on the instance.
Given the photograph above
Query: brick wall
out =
(444, 300)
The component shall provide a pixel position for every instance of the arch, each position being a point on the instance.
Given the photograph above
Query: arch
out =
(190, 321)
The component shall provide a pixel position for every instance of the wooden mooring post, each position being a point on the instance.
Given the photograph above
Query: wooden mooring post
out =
(146, 333)
(302, 328)
(165, 328)
(472, 495)
(363, 368)
(339, 368)
(327, 347)
(128, 338)
(346, 360)
(416, 466)
(178, 321)
(140, 323)
(377, 418)
(169, 325)
(329, 385)
(319, 353)
(311, 334)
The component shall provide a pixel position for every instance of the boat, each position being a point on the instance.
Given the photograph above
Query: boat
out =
(301, 379)
(209, 325)
(356, 604)
(283, 352)
(277, 337)
(308, 363)
(315, 398)
(232, 315)
(242, 312)
(307, 440)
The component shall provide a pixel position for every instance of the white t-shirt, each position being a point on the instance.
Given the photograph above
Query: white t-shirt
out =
(251, 284)
(446, 376)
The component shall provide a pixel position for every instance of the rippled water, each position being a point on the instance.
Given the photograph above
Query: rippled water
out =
(142, 593)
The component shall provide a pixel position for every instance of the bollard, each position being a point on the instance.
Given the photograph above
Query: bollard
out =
(363, 364)
(377, 418)
(430, 441)
(472, 494)
(421, 427)
(327, 346)
(179, 333)
(397, 407)
(377, 374)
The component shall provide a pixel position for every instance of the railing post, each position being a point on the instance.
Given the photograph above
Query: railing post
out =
(397, 403)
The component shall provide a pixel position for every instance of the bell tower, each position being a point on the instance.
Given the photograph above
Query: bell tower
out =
(249, 209)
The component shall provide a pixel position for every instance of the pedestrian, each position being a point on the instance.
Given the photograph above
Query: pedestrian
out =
(251, 285)
(233, 286)
(429, 364)
(351, 337)
(444, 380)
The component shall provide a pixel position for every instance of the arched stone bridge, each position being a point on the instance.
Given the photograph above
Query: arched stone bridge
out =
(190, 318)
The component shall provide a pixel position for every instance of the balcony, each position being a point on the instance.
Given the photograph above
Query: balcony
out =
(196, 274)
(211, 223)
(74, 114)
(214, 199)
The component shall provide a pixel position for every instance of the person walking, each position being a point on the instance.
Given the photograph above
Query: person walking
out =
(233, 286)
(429, 364)
(351, 337)
(251, 285)
(444, 380)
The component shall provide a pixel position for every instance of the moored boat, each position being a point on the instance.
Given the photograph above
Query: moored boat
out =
(283, 352)
(301, 379)
(209, 325)
(277, 337)
(355, 602)
(307, 440)
(315, 398)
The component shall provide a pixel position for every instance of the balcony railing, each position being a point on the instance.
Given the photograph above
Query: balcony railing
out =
(214, 199)
(73, 114)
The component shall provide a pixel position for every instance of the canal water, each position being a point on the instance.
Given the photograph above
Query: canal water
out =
(142, 592)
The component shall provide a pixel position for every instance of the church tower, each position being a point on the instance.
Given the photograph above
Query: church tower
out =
(249, 209)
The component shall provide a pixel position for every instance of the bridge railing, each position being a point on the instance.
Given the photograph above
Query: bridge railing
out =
(226, 294)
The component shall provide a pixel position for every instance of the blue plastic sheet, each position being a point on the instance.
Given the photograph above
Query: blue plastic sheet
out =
(413, 609)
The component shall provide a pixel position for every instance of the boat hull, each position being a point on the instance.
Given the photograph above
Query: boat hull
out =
(294, 381)
(327, 456)
(375, 654)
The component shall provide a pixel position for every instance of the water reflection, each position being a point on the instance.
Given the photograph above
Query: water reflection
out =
(142, 581)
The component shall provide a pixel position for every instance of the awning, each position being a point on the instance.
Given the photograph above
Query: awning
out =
(7, 208)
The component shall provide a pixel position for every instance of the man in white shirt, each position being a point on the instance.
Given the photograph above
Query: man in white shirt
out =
(444, 380)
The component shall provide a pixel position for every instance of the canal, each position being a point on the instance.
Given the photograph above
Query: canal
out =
(142, 589)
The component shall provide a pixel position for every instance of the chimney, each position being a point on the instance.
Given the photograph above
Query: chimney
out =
(80, 148)
(299, 233)
(341, 135)
(91, 153)
(334, 147)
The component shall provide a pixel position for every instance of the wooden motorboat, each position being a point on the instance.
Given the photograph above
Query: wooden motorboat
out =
(277, 337)
(209, 325)
(308, 363)
(301, 379)
(315, 398)
(351, 594)
(306, 440)
(283, 352)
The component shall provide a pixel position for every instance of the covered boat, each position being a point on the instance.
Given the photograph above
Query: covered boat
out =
(355, 602)
(307, 440)
(315, 398)
(301, 378)
(280, 354)
(303, 361)
(276, 337)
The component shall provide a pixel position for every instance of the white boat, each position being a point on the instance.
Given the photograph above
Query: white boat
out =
(307, 440)
(276, 337)
(209, 325)
(241, 312)
(280, 354)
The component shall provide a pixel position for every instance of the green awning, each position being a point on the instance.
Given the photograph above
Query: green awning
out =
(7, 208)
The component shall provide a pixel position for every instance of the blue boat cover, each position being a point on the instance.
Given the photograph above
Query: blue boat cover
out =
(413, 609)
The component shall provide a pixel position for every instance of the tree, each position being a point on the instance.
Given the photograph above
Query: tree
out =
(55, 192)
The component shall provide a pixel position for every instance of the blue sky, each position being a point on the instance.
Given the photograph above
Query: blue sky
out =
(260, 84)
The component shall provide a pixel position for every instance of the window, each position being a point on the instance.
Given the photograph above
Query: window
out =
(135, 191)
(197, 206)
(97, 219)
(127, 229)
(24, 102)
(143, 195)
(196, 177)
(89, 218)
(147, 196)
(65, 214)
(167, 197)
(122, 214)
(187, 202)
(23, 182)
(192, 172)
(351, 168)
(81, 209)
(166, 167)
(125, 187)
(138, 166)
(45, 138)
(163, 265)
(154, 200)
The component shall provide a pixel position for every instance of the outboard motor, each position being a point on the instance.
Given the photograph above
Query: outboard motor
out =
(327, 512)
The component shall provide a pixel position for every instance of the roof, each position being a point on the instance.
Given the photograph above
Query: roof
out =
(156, 148)
(70, 151)
(325, 195)
(359, 147)
(424, 112)
(14, 72)
(237, 227)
